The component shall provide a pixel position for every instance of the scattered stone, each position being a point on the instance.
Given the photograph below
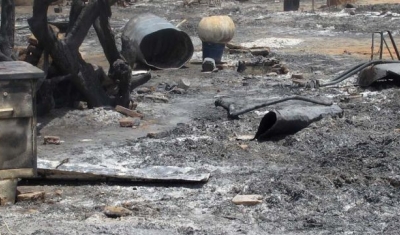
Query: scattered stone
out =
(208, 65)
(184, 84)
(129, 122)
(58, 192)
(352, 91)
(144, 90)
(170, 87)
(128, 112)
(157, 135)
(243, 146)
(245, 137)
(81, 105)
(349, 98)
(31, 196)
(260, 51)
(272, 74)
(116, 211)
(297, 76)
(247, 200)
(177, 90)
(284, 69)
(51, 140)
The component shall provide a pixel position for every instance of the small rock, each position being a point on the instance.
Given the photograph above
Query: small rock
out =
(31, 196)
(247, 200)
(297, 76)
(184, 84)
(208, 65)
(81, 105)
(260, 52)
(58, 192)
(129, 122)
(170, 86)
(318, 72)
(272, 74)
(116, 211)
(51, 140)
(144, 90)
(244, 146)
(245, 137)
(179, 91)
(284, 69)
(157, 135)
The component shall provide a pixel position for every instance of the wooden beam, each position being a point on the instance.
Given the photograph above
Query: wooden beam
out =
(16, 173)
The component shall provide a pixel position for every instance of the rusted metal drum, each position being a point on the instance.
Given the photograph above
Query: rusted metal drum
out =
(216, 29)
(155, 42)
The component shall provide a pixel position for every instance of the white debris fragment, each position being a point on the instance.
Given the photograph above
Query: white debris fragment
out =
(261, 113)
(272, 42)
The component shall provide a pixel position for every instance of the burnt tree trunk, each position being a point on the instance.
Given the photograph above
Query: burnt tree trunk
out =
(120, 72)
(67, 63)
(7, 30)
(65, 52)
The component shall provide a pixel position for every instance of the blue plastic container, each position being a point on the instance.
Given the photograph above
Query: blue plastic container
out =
(213, 50)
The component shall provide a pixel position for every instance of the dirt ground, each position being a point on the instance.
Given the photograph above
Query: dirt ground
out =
(337, 176)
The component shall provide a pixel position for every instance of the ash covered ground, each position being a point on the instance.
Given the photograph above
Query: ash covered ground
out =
(337, 176)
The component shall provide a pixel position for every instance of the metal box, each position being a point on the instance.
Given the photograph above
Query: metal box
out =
(18, 119)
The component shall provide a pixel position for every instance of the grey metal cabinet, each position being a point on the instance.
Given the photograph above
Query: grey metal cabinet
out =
(18, 119)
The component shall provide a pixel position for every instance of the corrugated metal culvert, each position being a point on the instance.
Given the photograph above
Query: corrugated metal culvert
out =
(155, 42)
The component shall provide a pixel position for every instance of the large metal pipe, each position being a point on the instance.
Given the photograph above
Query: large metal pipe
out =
(291, 120)
(155, 42)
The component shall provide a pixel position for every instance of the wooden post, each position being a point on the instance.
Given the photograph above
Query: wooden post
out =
(313, 5)
(8, 190)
